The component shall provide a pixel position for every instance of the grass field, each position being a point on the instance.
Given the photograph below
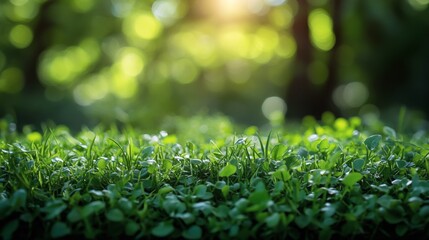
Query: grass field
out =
(205, 179)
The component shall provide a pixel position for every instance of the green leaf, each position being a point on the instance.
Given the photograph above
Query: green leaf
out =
(259, 197)
(424, 212)
(60, 229)
(190, 146)
(221, 211)
(352, 178)
(323, 145)
(385, 201)
(54, 208)
(389, 132)
(163, 229)
(233, 231)
(393, 215)
(74, 215)
(302, 221)
(278, 151)
(196, 161)
(202, 206)
(115, 215)
(131, 228)
(201, 192)
(8, 229)
(225, 190)
(187, 218)
(173, 206)
(19, 199)
(401, 163)
(125, 205)
(293, 162)
(282, 174)
(5, 208)
(358, 164)
(273, 220)
(147, 152)
(401, 229)
(228, 170)
(101, 164)
(329, 209)
(372, 142)
(193, 232)
(92, 208)
(165, 190)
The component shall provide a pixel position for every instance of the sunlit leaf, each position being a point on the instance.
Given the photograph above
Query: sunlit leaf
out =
(228, 170)
(352, 178)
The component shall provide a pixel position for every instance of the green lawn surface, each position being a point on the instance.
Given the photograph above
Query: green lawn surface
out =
(204, 179)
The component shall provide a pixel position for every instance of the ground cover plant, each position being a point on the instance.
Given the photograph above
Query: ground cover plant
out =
(202, 180)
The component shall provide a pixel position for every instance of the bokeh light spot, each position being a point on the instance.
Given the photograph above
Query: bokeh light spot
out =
(273, 106)
(281, 17)
(82, 6)
(287, 47)
(18, 2)
(238, 71)
(229, 9)
(61, 67)
(184, 71)
(199, 45)
(269, 37)
(146, 26)
(90, 90)
(351, 95)
(275, 2)
(341, 124)
(419, 4)
(234, 42)
(257, 7)
(370, 114)
(21, 10)
(123, 86)
(321, 32)
(21, 36)
(168, 11)
(131, 61)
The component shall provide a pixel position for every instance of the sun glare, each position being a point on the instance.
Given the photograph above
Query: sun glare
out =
(230, 8)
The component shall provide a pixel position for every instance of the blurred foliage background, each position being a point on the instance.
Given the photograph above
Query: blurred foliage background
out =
(89, 61)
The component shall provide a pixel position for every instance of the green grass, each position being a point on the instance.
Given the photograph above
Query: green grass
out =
(338, 179)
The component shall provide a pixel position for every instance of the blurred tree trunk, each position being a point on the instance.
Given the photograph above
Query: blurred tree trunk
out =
(300, 96)
(37, 47)
(303, 97)
(333, 75)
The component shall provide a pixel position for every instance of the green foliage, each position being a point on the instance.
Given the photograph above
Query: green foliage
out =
(228, 170)
(338, 180)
